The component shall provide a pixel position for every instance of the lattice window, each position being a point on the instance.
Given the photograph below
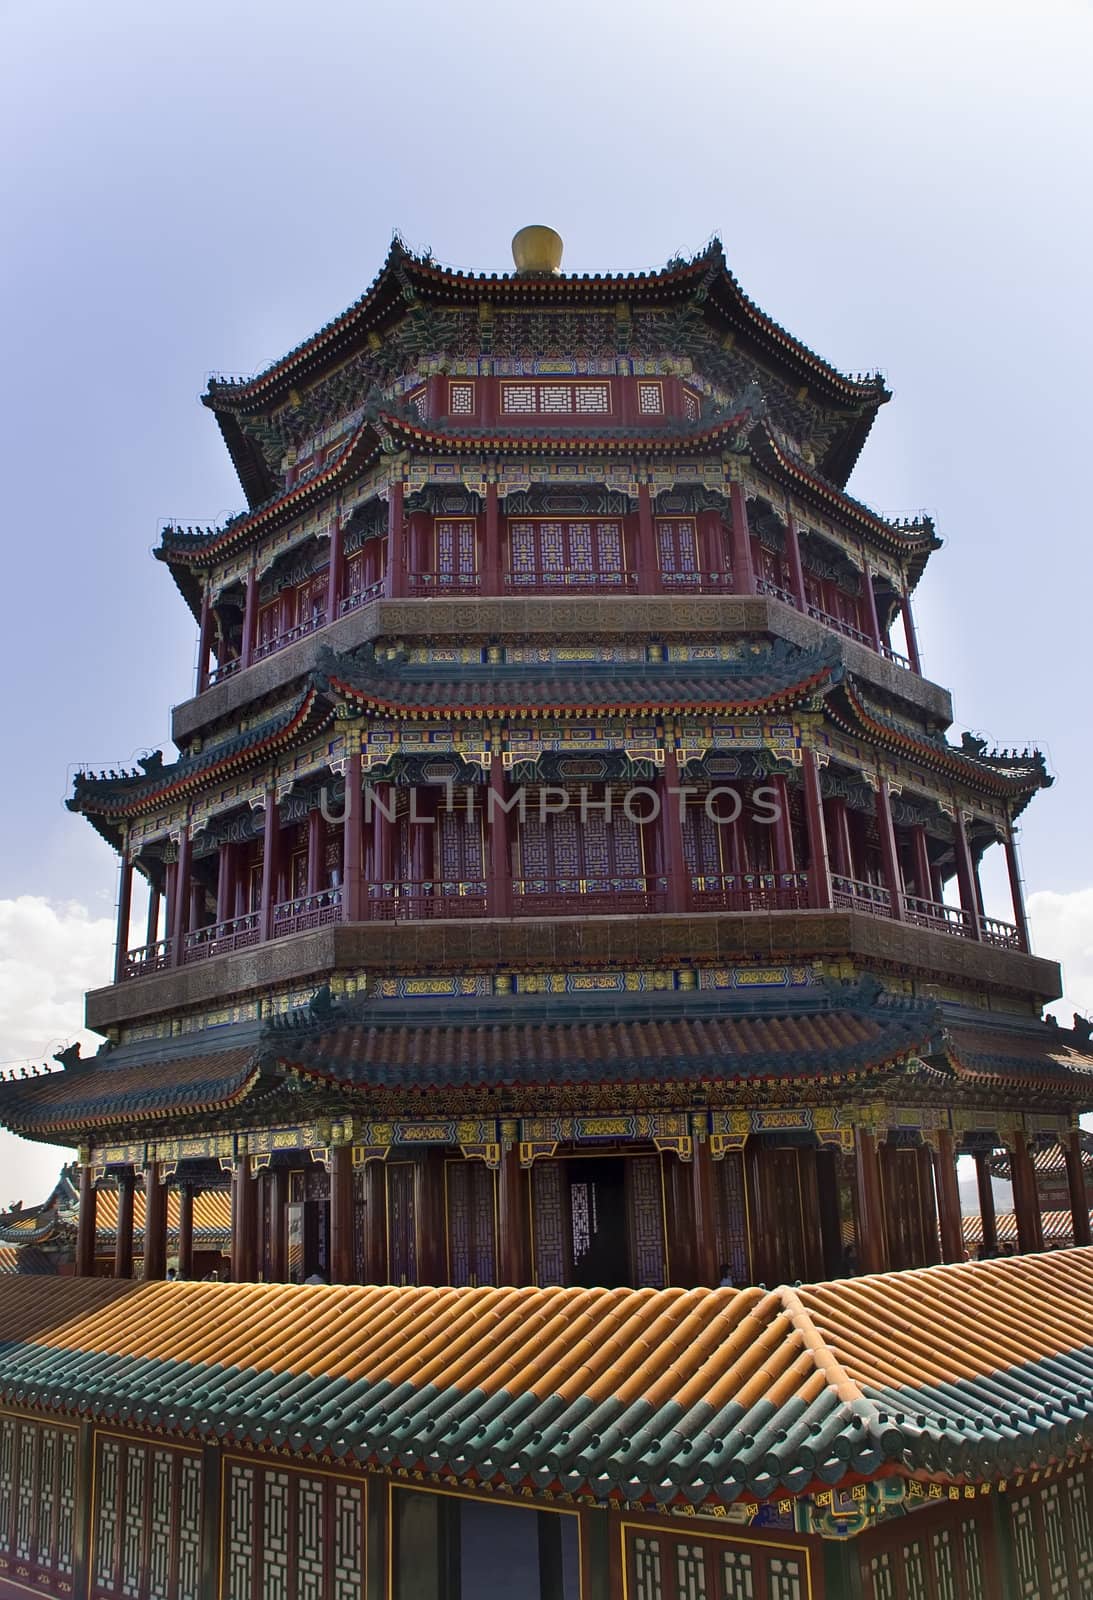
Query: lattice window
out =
(555, 398)
(690, 1572)
(784, 1579)
(241, 1533)
(189, 1531)
(7, 1479)
(737, 1576)
(456, 550)
(914, 1572)
(548, 1205)
(882, 1579)
(701, 842)
(347, 1542)
(1024, 1548)
(677, 547)
(135, 1523)
(461, 399)
(650, 400)
(459, 1222)
(646, 1207)
(1078, 1498)
(1051, 1520)
(460, 848)
(593, 399)
(519, 399)
(106, 1515)
(24, 1523)
(161, 1527)
(66, 1502)
(945, 1579)
(647, 1581)
(309, 1539)
(732, 1217)
(973, 1561)
(402, 1230)
(483, 1224)
(692, 406)
(47, 1497)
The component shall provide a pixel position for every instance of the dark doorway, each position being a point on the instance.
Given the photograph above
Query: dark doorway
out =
(597, 1210)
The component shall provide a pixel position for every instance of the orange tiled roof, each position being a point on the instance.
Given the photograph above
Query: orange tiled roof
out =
(960, 1373)
(212, 1212)
(1058, 1227)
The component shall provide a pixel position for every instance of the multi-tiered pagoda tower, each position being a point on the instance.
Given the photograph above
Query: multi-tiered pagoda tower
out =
(565, 883)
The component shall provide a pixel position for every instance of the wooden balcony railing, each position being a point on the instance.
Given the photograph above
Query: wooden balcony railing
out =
(269, 647)
(572, 582)
(147, 958)
(585, 897)
(236, 933)
(419, 902)
(750, 891)
(765, 586)
(362, 597)
(850, 894)
(1005, 935)
(307, 911)
(696, 582)
(935, 914)
(419, 583)
(225, 669)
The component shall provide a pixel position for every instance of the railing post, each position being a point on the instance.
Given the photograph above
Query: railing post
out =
(743, 568)
(819, 866)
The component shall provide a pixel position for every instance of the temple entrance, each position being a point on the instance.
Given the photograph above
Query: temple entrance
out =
(597, 1214)
(785, 1207)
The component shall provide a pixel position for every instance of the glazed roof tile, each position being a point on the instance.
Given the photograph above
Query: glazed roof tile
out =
(965, 1373)
(104, 1091)
(1058, 1228)
(1049, 1161)
(212, 1214)
(1022, 1052)
(26, 1261)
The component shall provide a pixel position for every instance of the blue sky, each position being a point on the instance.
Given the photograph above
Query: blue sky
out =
(190, 188)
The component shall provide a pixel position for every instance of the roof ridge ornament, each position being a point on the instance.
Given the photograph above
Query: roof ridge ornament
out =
(537, 252)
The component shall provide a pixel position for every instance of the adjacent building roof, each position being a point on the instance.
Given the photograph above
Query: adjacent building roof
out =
(963, 1373)
(1049, 1162)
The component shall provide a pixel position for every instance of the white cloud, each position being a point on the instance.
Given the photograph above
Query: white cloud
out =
(1062, 930)
(50, 953)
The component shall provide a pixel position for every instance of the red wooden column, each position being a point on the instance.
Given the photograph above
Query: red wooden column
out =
(793, 558)
(125, 904)
(278, 1224)
(872, 621)
(711, 544)
(123, 1245)
(910, 634)
(225, 888)
(204, 643)
(395, 585)
(250, 619)
(839, 833)
(872, 1244)
(513, 1254)
(707, 1273)
(948, 1195)
(1013, 867)
(743, 568)
(889, 850)
(152, 934)
(185, 1230)
(648, 557)
(341, 1214)
(921, 857)
(334, 581)
(671, 832)
(819, 867)
(353, 903)
(85, 1232)
(1026, 1201)
(499, 841)
(784, 859)
(180, 900)
(271, 850)
(1075, 1179)
(375, 1222)
(155, 1222)
(965, 874)
(987, 1215)
(244, 1208)
(316, 839)
(432, 1251)
(492, 578)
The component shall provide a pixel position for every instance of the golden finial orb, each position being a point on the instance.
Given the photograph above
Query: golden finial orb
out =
(537, 252)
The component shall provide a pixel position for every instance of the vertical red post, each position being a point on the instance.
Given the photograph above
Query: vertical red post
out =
(250, 618)
(909, 633)
(1013, 867)
(123, 1244)
(948, 1194)
(872, 1244)
(839, 833)
(375, 1222)
(204, 642)
(711, 545)
(648, 557)
(498, 842)
(889, 850)
(185, 1230)
(743, 567)
(513, 1253)
(334, 574)
(965, 875)
(341, 1214)
(987, 1216)
(492, 581)
(181, 898)
(395, 585)
(1026, 1200)
(278, 1218)
(671, 832)
(225, 889)
(872, 621)
(125, 904)
(152, 933)
(1075, 1179)
(784, 860)
(155, 1222)
(793, 560)
(921, 857)
(86, 1227)
(706, 1267)
(819, 866)
(352, 854)
(316, 839)
(271, 849)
